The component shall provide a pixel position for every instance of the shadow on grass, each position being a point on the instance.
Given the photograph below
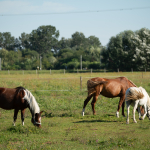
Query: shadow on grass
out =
(91, 121)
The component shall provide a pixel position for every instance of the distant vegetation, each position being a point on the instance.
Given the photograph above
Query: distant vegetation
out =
(125, 51)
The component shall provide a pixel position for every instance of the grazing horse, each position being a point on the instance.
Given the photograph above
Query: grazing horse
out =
(109, 88)
(19, 99)
(137, 97)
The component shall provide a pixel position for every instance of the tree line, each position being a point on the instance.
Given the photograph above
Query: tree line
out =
(124, 51)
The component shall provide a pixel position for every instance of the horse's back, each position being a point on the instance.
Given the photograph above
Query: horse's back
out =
(7, 98)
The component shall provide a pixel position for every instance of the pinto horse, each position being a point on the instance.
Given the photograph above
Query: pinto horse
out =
(109, 88)
(19, 99)
(137, 97)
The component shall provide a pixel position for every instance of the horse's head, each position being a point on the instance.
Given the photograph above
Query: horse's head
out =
(36, 120)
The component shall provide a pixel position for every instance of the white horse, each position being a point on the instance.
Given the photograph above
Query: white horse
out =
(137, 97)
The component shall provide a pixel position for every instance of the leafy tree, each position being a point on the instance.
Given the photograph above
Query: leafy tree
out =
(119, 52)
(24, 41)
(94, 41)
(7, 41)
(3, 55)
(64, 43)
(141, 40)
(44, 39)
(78, 40)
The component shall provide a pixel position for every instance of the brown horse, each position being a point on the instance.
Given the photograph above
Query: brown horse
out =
(109, 88)
(19, 99)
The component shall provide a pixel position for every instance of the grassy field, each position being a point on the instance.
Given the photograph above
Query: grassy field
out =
(63, 127)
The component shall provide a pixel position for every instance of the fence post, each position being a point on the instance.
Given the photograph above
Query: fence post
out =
(104, 70)
(91, 70)
(118, 70)
(64, 71)
(132, 70)
(80, 83)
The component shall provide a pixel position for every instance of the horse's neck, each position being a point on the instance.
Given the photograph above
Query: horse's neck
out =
(33, 106)
(131, 84)
(148, 101)
(145, 94)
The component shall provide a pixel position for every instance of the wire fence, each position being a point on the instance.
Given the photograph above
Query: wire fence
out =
(62, 71)
(64, 83)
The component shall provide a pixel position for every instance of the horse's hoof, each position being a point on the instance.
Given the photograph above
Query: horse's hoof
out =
(123, 115)
(141, 119)
(127, 122)
(135, 121)
(117, 114)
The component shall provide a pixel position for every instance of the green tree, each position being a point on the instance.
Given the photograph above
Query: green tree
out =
(120, 52)
(141, 40)
(44, 39)
(24, 41)
(7, 41)
(78, 40)
(3, 55)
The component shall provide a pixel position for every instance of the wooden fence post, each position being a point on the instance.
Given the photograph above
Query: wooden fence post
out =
(80, 83)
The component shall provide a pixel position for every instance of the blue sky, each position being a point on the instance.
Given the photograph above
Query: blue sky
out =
(103, 25)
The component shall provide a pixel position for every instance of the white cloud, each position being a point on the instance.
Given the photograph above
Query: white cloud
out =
(26, 7)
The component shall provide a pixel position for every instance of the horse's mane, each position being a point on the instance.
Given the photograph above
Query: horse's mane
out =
(33, 105)
(132, 83)
(134, 94)
(19, 88)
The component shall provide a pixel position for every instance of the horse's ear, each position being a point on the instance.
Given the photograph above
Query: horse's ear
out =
(41, 112)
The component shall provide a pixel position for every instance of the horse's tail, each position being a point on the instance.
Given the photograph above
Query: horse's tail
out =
(134, 95)
(20, 90)
(92, 84)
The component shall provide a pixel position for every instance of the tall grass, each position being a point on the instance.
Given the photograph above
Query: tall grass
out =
(63, 127)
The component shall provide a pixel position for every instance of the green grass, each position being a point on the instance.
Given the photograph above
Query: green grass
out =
(63, 127)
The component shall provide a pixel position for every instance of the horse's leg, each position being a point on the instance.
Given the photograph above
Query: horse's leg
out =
(22, 116)
(134, 109)
(93, 103)
(145, 112)
(85, 103)
(95, 96)
(15, 115)
(139, 112)
(121, 103)
(128, 110)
